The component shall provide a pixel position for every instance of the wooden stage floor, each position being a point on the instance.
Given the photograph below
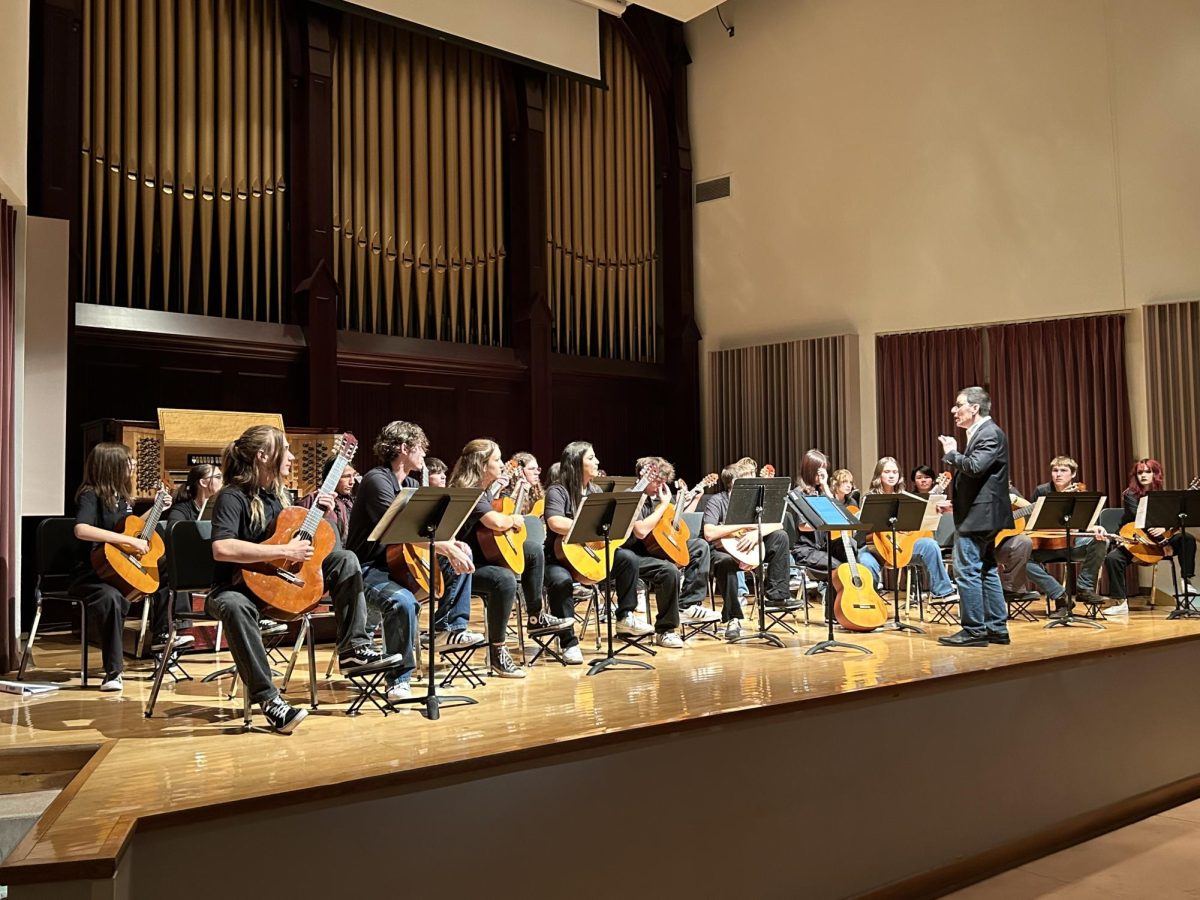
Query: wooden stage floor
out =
(194, 756)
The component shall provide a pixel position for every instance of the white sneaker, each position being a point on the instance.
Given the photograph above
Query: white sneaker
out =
(633, 624)
(951, 597)
(401, 690)
(573, 656)
(733, 630)
(698, 614)
(668, 639)
(112, 683)
(458, 640)
(1121, 609)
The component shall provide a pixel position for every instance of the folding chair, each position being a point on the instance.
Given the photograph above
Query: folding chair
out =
(307, 638)
(58, 553)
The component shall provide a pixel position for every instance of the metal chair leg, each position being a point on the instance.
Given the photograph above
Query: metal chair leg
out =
(295, 652)
(247, 720)
(28, 654)
(312, 662)
(83, 645)
(329, 668)
(160, 670)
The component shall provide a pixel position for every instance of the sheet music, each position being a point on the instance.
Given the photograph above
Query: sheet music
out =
(1139, 521)
(931, 517)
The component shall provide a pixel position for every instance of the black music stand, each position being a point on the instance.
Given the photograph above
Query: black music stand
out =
(751, 501)
(610, 484)
(605, 518)
(425, 516)
(893, 513)
(1069, 512)
(1173, 509)
(828, 516)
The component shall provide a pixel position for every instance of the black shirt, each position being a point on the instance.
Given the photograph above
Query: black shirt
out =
(90, 510)
(717, 508)
(376, 493)
(231, 521)
(467, 534)
(647, 506)
(183, 511)
(559, 502)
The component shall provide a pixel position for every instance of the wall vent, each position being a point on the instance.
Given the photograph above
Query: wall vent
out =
(713, 189)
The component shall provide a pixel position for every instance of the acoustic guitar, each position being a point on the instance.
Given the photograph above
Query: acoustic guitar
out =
(1054, 540)
(409, 564)
(290, 588)
(906, 541)
(749, 559)
(857, 605)
(586, 561)
(1146, 549)
(669, 538)
(506, 548)
(134, 576)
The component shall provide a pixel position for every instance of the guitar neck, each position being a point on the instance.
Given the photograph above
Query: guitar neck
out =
(153, 516)
(313, 518)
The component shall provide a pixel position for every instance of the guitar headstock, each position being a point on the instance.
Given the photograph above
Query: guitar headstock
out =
(1194, 484)
(345, 445)
(943, 482)
(767, 471)
(649, 472)
(707, 481)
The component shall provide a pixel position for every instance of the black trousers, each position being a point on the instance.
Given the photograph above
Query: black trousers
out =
(725, 569)
(1118, 558)
(560, 589)
(497, 585)
(106, 611)
(695, 575)
(662, 578)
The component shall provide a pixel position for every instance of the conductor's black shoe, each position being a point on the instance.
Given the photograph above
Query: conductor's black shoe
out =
(1060, 612)
(998, 638)
(963, 639)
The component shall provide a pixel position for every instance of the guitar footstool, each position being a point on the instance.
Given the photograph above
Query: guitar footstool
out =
(459, 659)
(369, 681)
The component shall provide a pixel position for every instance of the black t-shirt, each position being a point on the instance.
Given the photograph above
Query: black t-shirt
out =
(183, 511)
(648, 505)
(559, 502)
(231, 521)
(1131, 502)
(483, 506)
(378, 489)
(717, 508)
(90, 510)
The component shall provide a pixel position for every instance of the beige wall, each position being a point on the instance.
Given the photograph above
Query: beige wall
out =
(14, 99)
(909, 163)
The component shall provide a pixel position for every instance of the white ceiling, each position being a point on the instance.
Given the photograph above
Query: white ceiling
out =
(683, 10)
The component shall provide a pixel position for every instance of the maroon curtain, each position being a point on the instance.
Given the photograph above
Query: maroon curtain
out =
(1058, 388)
(8, 498)
(917, 377)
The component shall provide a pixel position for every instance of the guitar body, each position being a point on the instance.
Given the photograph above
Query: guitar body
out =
(539, 508)
(133, 576)
(857, 606)
(1018, 528)
(586, 561)
(1147, 550)
(668, 542)
(290, 588)
(748, 559)
(503, 548)
(906, 542)
(408, 565)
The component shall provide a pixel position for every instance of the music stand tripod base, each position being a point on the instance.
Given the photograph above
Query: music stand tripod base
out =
(1072, 619)
(883, 513)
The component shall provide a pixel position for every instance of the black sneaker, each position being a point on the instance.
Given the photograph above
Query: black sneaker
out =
(270, 626)
(546, 622)
(181, 641)
(281, 715)
(502, 664)
(358, 657)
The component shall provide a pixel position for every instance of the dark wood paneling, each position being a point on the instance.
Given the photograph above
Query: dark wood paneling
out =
(622, 417)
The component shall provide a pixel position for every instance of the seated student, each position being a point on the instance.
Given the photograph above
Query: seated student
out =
(435, 469)
(101, 503)
(662, 575)
(534, 504)
(577, 468)
(844, 491)
(400, 450)
(1013, 557)
(922, 478)
(479, 466)
(812, 550)
(256, 466)
(1146, 477)
(926, 553)
(1090, 547)
(725, 568)
(338, 513)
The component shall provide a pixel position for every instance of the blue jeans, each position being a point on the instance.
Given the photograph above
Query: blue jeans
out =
(399, 609)
(982, 609)
(926, 554)
(1087, 548)
(454, 609)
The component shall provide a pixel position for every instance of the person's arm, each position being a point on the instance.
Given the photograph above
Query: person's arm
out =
(233, 550)
(87, 512)
(643, 527)
(458, 554)
(498, 521)
(985, 452)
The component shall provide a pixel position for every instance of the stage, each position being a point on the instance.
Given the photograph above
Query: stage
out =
(907, 771)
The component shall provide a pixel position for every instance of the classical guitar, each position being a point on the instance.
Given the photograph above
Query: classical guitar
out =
(506, 548)
(1143, 546)
(409, 564)
(1053, 540)
(906, 541)
(293, 588)
(586, 561)
(134, 576)
(749, 559)
(857, 605)
(668, 539)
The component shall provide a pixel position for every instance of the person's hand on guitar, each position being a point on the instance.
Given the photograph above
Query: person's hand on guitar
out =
(1099, 533)
(296, 551)
(1157, 533)
(133, 545)
(458, 554)
(325, 500)
(515, 523)
(747, 541)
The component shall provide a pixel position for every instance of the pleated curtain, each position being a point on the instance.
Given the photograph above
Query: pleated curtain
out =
(600, 211)
(1172, 345)
(183, 157)
(917, 376)
(417, 187)
(774, 402)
